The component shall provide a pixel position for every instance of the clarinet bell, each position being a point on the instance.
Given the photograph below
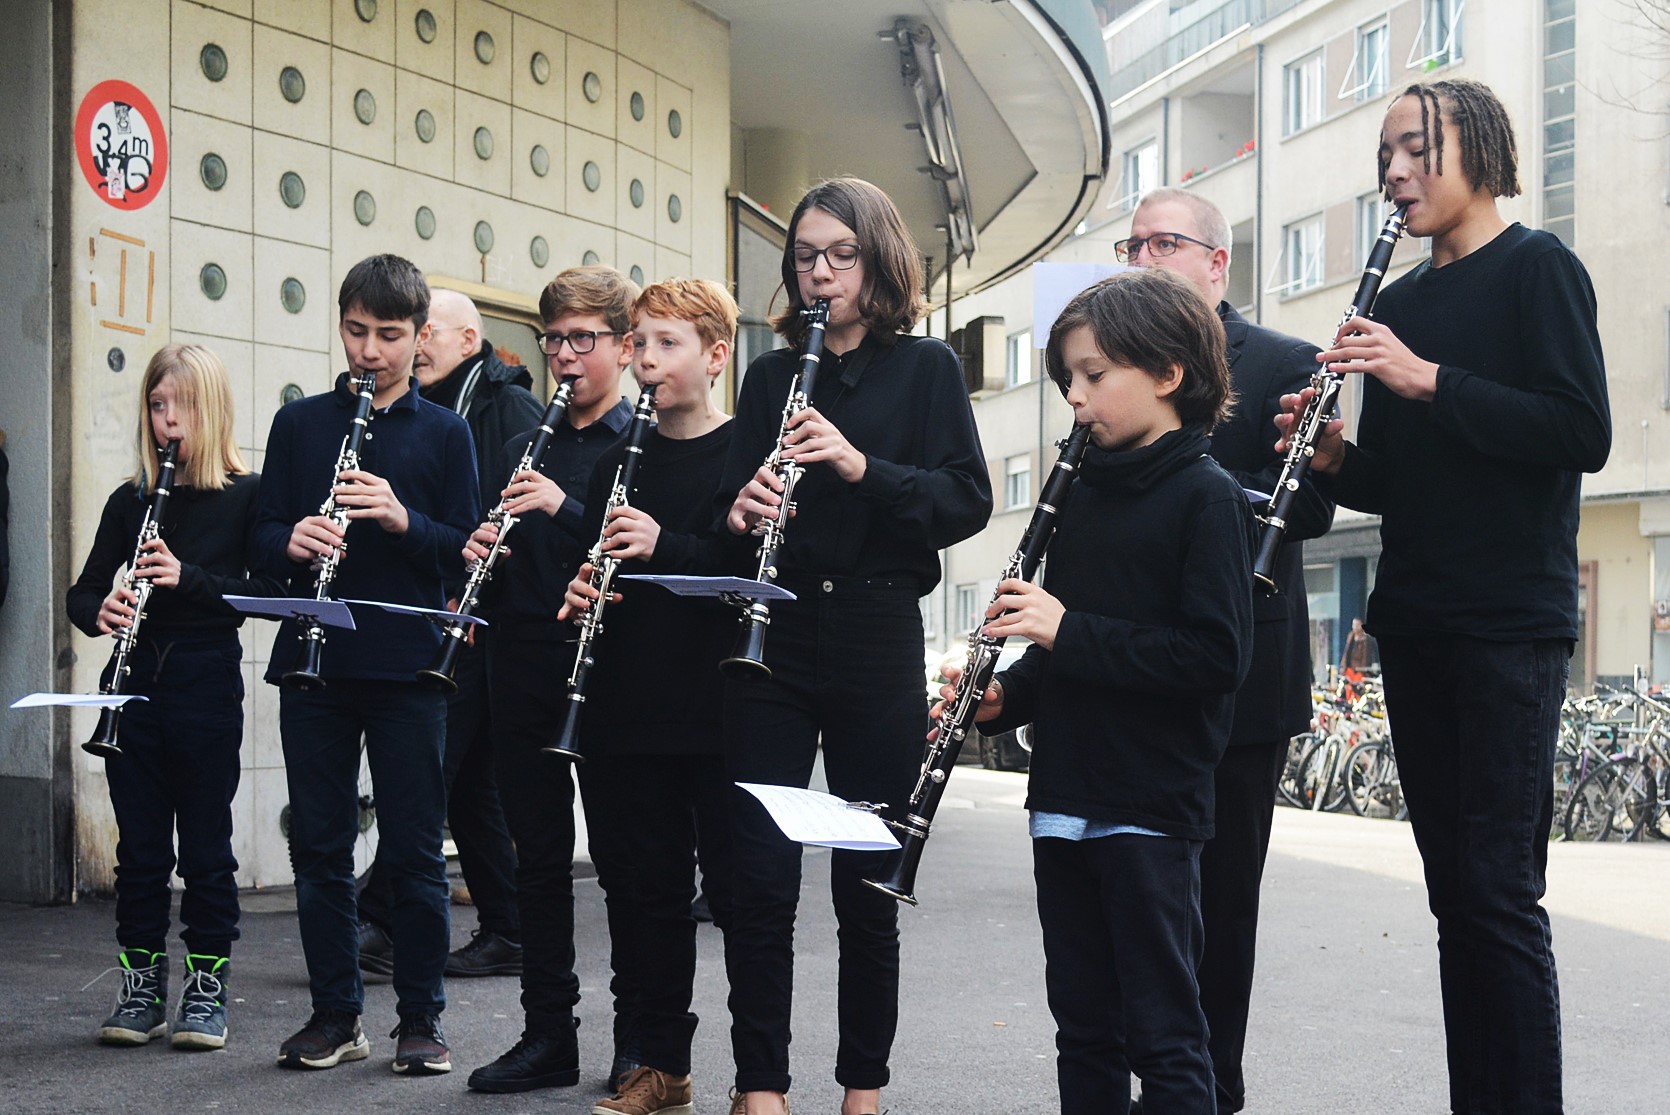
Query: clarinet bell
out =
(748, 657)
(103, 742)
(438, 677)
(306, 676)
(897, 878)
(568, 740)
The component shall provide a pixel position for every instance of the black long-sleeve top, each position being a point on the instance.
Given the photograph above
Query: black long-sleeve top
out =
(1478, 489)
(925, 484)
(652, 639)
(210, 530)
(1132, 707)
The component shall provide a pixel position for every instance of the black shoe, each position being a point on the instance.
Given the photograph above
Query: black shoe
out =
(487, 954)
(536, 1061)
(376, 950)
(421, 1048)
(329, 1038)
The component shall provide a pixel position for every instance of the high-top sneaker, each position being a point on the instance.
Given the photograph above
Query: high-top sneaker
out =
(202, 1020)
(141, 1011)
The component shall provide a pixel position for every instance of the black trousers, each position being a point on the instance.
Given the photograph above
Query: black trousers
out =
(650, 819)
(486, 854)
(846, 662)
(1231, 869)
(178, 768)
(1122, 937)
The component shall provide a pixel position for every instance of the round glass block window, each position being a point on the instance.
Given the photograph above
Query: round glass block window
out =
(591, 258)
(365, 207)
(115, 359)
(365, 106)
(484, 48)
(637, 106)
(539, 251)
(292, 84)
(212, 59)
(483, 237)
(540, 67)
(636, 274)
(636, 193)
(212, 169)
(366, 10)
(425, 25)
(592, 86)
(675, 124)
(425, 125)
(483, 143)
(424, 222)
(292, 189)
(290, 393)
(212, 280)
(592, 175)
(292, 295)
(675, 208)
(540, 160)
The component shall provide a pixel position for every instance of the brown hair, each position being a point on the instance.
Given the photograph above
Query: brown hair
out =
(203, 392)
(592, 289)
(704, 304)
(1489, 156)
(1152, 319)
(890, 300)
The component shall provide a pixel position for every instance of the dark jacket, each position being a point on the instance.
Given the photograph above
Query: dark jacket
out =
(1274, 703)
(497, 401)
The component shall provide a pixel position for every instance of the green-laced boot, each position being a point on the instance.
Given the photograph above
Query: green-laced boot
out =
(202, 1020)
(141, 1012)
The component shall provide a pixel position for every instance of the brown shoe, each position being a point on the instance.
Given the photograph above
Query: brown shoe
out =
(647, 1091)
(739, 1103)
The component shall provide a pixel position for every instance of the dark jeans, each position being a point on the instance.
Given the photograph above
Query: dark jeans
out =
(1231, 868)
(1475, 724)
(403, 727)
(526, 679)
(847, 665)
(649, 819)
(178, 767)
(1122, 937)
(486, 855)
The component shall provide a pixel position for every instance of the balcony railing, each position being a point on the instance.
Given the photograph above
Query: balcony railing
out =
(1189, 40)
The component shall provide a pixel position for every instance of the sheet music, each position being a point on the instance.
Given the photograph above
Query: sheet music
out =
(713, 586)
(75, 700)
(330, 613)
(1053, 286)
(811, 817)
(434, 615)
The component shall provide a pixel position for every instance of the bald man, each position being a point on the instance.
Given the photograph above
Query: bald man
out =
(457, 367)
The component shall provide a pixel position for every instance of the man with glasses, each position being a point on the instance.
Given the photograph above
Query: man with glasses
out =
(1183, 232)
(587, 315)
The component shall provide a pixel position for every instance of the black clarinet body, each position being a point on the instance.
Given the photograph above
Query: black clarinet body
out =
(455, 636)
(603, 569)
(898, 873)
(103, 741)
(308, 673)
(748, 657)
(1301, 443)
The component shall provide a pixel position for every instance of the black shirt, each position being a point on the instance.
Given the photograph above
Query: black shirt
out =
(925, 484)
(1478, 489)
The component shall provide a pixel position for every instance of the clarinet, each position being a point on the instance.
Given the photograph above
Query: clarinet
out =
(1301, 443)
(749, 653)
(306, 675)
(104, 735)
(898, 872)
(454, 636)
(603, 568)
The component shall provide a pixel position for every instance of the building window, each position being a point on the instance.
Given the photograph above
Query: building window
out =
(1141, 174)
(1366, 79)
(1438, 41)
(1372, 212)
(1559, 119)
(1302, 93)
(967, 613)
(1017, 481)
(1018, 368)
(1301, 259)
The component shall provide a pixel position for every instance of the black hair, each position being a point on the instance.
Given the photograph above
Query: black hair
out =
(1489, 156)
(387, 287)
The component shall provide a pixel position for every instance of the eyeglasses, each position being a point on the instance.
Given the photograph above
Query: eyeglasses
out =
(1159, 244)
(581, 341)
(841, 257)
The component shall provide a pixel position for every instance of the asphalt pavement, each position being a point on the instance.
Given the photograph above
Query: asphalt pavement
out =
(1345, 1015)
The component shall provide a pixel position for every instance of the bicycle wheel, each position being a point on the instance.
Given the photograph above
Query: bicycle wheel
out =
(1322, 775)
(1290, 787)
(1371, 782)
(1568, 771)
(1615, 799)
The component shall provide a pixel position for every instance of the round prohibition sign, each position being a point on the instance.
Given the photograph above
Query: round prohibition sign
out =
(120, 145)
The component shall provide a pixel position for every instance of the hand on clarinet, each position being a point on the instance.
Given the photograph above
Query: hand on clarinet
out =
(1329, 446)
(580, 594)
(158, 565)
(480, 542)
(313, 539)
(117, 610)
(630, 533)
(1022, 608)
(759, 499)
(368, 496)
(1366, 346)
(991, 701)
(531, 490)
(812, 437)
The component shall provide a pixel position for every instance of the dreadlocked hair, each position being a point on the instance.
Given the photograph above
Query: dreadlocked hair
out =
(1489, 156)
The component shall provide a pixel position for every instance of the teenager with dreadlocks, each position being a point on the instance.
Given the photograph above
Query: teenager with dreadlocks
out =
(1484, 400)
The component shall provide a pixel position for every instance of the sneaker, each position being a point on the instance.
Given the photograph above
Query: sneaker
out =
(535, 1061)
(420, 1048)
(376, 950)
(487, 954)
(330, 1037)
(647, 1091)
(202, 1020)
(141, 1011)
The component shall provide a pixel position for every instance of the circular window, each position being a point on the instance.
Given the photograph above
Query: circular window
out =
(425, 125)
(292, 189)
(592, 86)
(292, 84)
(636, 274)
(484, 48)
(366, 10)
(212, 280)
(425, 25)
(212, 169)
(637, 105)
(483, 143)
(483, 237)
(365, 106)
(293, 295)
(675, 124)
(290, 393)
(539, 251)
(636, 193)
(116, 359)
(591, 259)
(540, 160)
(213, 61)
(675, 208)
(540, 67)
(425, 222)
(592, 175)
(365, 207)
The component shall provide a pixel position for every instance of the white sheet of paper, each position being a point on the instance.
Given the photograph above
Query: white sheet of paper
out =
(434, 615)
(1255, 496)
(713, 586)
(811, 817)
(330, 613)
(1053, 286)
(75, 700)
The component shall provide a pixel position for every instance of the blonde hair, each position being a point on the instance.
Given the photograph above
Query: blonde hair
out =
(203, 392)
(702, 302)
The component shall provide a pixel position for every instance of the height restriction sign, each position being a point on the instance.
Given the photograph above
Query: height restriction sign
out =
(120, 144)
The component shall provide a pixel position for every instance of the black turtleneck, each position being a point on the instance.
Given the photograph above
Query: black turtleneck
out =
(1132, 708)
